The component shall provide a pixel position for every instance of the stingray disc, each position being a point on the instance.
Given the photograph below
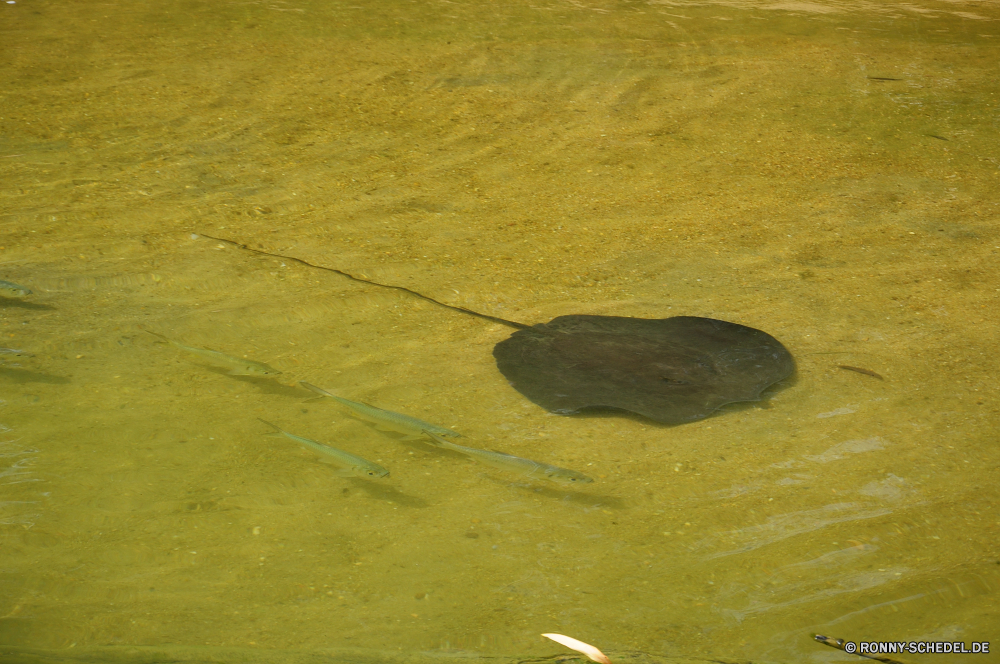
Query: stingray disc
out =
(671, 370)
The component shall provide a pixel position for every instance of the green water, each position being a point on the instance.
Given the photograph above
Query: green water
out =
(828, 172)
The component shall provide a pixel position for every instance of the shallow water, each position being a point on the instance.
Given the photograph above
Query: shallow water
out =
(824, 171)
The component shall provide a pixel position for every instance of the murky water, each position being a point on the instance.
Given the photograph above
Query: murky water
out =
(828, 172)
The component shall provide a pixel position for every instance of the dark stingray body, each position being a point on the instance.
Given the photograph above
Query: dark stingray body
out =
(671, 370)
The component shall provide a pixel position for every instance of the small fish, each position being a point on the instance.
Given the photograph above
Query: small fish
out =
(240, 366)
(867, 372)
(14, 351)
(9, 289)
(353, 465)
(525, 467)
(385, 419)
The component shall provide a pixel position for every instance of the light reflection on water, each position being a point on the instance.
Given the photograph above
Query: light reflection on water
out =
(825, 172)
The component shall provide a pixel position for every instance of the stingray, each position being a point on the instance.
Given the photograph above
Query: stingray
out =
(671, 370)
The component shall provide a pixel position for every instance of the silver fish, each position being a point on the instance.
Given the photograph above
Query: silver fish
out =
(13, 290)
(353, 465)
(14, 351)
(241, 366)
(525, 467)
(385, 419)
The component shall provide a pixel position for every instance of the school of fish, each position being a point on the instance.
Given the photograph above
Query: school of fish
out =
(349, 464)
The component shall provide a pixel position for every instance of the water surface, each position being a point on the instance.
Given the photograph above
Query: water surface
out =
(824, 171)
